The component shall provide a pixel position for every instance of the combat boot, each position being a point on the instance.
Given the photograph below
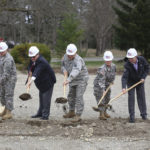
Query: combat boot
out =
(70, 114)
(106, 115)
(77, 118)
(3, 112)
(102, 116)
(7, 115)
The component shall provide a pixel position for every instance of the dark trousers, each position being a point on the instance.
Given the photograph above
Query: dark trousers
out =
(140, 92)
(45, 103)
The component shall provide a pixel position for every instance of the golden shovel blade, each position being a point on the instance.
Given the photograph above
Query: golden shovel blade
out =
(2, 108)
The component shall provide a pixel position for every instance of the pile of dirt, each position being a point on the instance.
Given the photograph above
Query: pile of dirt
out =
(85, 129)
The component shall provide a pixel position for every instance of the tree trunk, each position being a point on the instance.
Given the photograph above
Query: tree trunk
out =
(99, 46)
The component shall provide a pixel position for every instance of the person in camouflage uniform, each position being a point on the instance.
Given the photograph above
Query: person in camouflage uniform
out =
(8, 80)
(74, 68)
(105, 77)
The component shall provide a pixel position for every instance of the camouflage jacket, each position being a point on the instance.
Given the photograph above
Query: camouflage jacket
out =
(105, 76)
(77, 71)
(7, 69)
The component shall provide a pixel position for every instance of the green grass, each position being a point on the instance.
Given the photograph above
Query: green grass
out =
(93, 65)
(116, 53)
(55, 64)
(97, 64)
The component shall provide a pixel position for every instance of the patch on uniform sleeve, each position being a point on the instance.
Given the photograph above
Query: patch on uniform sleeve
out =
(101, 71)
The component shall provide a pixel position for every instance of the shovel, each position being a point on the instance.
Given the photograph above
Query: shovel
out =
(25, 96)
(109, 107)
(120, 94)
(62, 100)
(2, 108)
(99, 103)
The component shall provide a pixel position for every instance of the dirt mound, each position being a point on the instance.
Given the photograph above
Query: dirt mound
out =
(116, 127)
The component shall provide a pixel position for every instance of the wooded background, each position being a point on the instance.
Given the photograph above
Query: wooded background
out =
(99, 24)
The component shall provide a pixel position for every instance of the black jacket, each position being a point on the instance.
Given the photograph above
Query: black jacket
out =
(131, 76)
(45, 76)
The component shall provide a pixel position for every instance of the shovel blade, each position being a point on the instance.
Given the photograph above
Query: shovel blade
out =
(61, 100)
(2, 108)
(25, 96)
(95, 109)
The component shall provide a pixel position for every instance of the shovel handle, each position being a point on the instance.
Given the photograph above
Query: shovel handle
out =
(120, 94)
(65, 77)
(28, 88)
(105, 93)
(64, 90)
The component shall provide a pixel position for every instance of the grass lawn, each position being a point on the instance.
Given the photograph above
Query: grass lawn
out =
(93, 65)
(116, 53)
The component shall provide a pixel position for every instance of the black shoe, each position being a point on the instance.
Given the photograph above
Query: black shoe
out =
(131, 120)
(144, 117)
(44, 118)
(36, 116)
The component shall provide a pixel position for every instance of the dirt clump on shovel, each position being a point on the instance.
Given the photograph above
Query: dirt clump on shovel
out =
(61, 100)
(25, 96)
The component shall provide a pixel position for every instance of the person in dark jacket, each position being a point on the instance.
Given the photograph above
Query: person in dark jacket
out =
(136, 68)
(44, 78)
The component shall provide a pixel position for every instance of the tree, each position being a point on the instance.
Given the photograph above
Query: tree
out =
(68, 32)
(140, 28)
(133, 29)
(37, 21)
(100, 19)
(32, 20)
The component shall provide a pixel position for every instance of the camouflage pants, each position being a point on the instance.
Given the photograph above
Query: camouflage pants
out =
(7, 94)
(98, 93)
(75, 98)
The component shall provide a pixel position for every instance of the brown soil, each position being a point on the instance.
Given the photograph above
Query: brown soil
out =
(24, 133)
(96, 128)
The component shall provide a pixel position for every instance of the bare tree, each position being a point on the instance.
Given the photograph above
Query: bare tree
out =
(38, 20)
(100, 18)
(32, 20)
(81, 8)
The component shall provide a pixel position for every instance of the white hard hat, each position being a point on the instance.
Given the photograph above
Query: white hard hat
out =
(33, 51)
(131, 53)
(3, 46)
(108, 56)
(71, 49)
